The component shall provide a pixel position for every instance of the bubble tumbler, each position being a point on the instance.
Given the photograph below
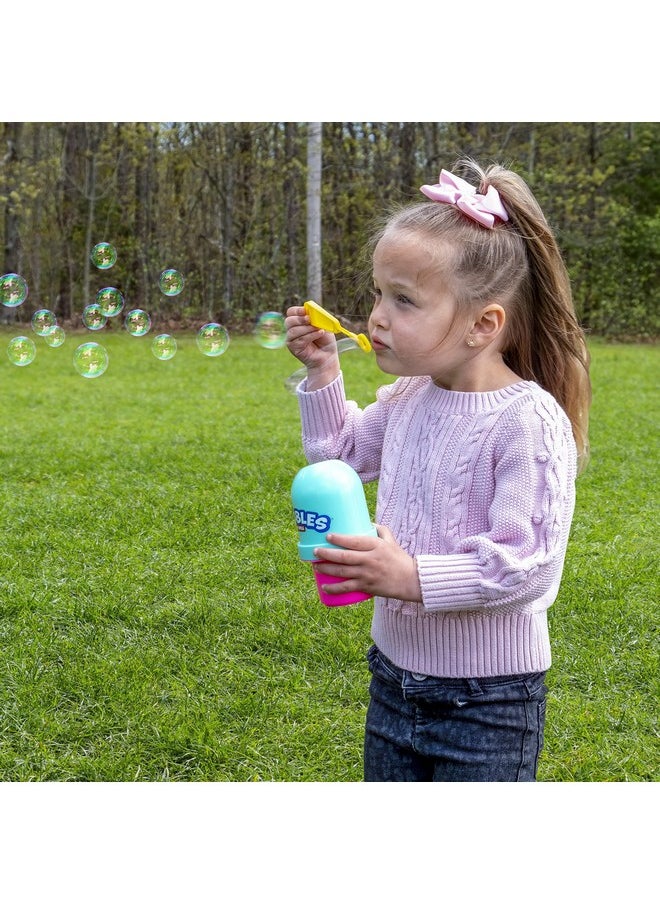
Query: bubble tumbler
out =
(329, 496)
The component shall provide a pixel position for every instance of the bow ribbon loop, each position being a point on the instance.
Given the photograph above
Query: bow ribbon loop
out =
(484, 209)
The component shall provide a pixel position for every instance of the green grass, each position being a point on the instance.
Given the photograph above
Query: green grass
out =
(156, 623)
(602, 710)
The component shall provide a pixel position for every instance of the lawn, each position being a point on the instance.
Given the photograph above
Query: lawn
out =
(156, 623)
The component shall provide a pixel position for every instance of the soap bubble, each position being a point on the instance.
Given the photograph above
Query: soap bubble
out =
(43, 321)
(13, 290)
(270, 331)
(212, 340)
(171, 283)
(104, 255)
(90, 360)
(293, 382)
(55, 337)
(110, 300)
(21, 351)
(137, 322)
(93, 317)
(163, 346)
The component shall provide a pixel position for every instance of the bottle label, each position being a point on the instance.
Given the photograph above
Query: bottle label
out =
(312, 521)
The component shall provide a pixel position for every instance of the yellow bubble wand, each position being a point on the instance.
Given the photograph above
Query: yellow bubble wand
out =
(322, 320)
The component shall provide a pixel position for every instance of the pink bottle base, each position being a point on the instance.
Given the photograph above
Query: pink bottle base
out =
(337, 599)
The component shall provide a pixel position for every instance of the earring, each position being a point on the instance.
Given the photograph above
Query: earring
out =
(470, 341)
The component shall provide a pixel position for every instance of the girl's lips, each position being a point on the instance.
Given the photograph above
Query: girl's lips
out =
(376, 344)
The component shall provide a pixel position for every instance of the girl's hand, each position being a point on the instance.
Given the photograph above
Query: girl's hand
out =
(374, 565)
(316, 349)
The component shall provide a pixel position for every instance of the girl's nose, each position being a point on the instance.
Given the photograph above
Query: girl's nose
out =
(377, 316)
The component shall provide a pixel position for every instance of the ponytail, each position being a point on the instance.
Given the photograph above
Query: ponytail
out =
(544, 341)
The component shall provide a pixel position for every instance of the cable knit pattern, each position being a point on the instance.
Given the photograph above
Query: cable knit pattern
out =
(480, 489)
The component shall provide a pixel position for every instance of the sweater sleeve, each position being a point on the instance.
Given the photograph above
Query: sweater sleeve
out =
(333, 427)
(517, 556)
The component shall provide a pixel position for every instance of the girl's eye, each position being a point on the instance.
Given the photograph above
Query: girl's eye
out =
(402, 300)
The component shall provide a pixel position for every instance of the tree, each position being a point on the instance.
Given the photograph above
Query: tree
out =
(256, 215)
(12, 239)
(314, 262)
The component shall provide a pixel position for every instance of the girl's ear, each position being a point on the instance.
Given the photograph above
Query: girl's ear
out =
(489, 324)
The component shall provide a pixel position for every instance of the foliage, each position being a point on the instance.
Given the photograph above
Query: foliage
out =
(157, 625)
(225, 204)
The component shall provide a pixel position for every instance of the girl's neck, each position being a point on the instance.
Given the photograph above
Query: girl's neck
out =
(485, 376)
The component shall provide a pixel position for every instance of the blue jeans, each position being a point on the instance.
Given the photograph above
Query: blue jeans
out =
(425, 729)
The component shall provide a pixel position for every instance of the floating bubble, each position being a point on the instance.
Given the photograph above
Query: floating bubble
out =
(21, 351)
(212, 340)
(90, 360)
(163, 346)
(43, 321)
(13, 290)
(137, 322)
(110, 300)
(93, 317)
(293, 382)
(103, 255)
(171, 283)
(270, 331)
(55, 337)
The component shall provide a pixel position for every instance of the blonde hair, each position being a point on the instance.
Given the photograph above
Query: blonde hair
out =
(518, 264)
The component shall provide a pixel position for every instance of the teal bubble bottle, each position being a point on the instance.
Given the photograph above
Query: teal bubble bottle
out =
(329, 496)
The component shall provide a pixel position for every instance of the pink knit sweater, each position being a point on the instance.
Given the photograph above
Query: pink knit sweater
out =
(480, 489)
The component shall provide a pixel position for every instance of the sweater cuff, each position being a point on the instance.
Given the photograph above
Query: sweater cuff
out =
(322, 411)
(450, 582)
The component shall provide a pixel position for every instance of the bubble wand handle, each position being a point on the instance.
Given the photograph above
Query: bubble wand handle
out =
(322, 320)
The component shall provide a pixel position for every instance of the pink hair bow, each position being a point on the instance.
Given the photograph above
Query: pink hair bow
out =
(453, 190)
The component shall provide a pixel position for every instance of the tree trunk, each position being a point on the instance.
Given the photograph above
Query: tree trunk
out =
(407, 163)
(12, 157)
(12, 261)
(291, 205)
(314, 261)
(227, 222)
(89, 232)
(64, 306)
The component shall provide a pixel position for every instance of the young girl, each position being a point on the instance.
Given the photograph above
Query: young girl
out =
(476, 448)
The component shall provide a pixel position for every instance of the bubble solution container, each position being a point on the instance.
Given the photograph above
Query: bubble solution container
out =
(329, 496)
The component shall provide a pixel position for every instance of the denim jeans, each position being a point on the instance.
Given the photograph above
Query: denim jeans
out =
(425, 729)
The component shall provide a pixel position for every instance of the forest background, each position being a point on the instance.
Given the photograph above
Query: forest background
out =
(225, 204)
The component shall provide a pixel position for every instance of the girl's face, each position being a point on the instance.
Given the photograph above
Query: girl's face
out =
(413, 325)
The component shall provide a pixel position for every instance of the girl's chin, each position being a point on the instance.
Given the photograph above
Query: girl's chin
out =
(387, 363)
